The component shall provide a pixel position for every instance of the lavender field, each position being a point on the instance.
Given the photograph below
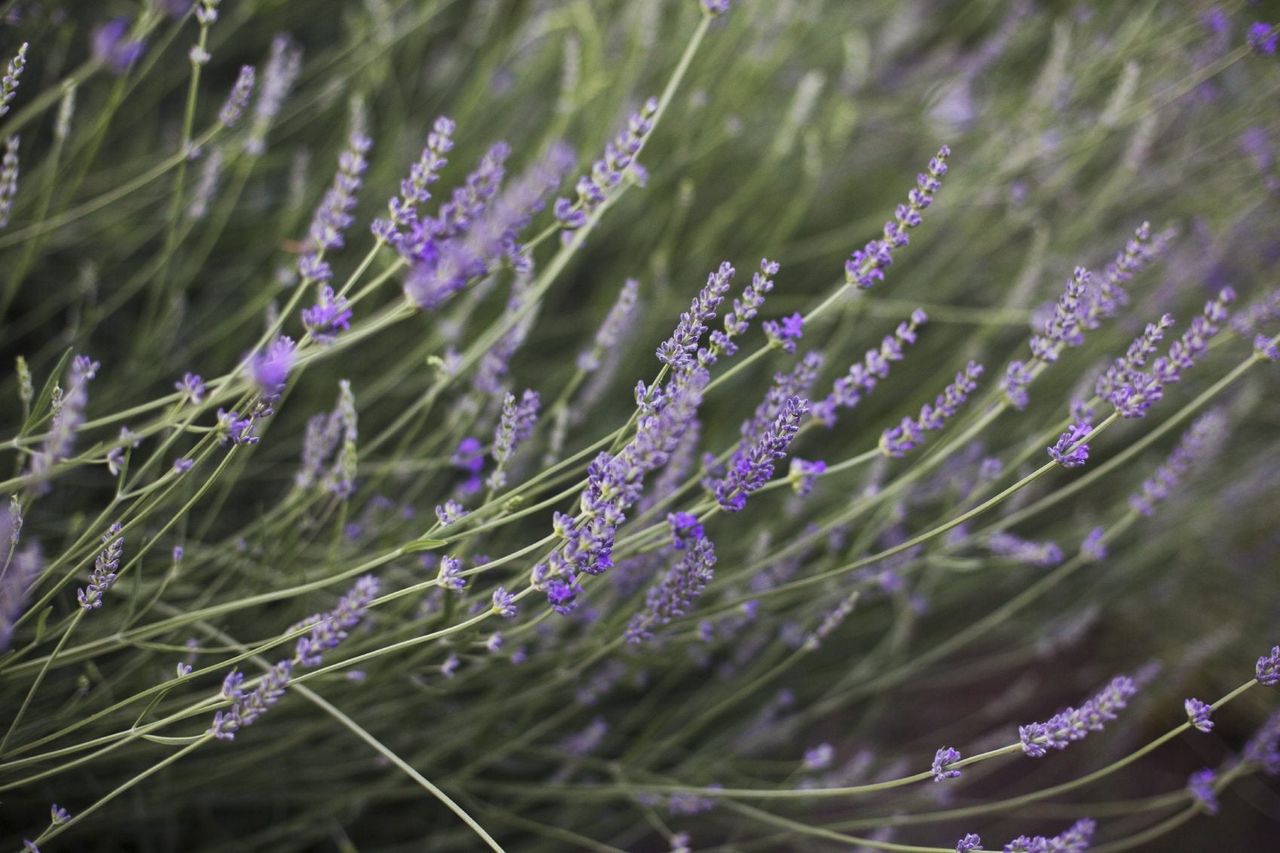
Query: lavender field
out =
(639, 425)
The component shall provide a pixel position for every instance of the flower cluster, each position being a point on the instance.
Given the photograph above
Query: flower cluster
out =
(679, 587)
(105, 569)
(606, 173)
(900, 440)
(1075, 723)
(867, 265)
(850, 389)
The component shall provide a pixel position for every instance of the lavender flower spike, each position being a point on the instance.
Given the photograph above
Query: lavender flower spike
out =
(248, 707)
(737, 321)
(105, 568)
(752, 465)
(1199, 441)
(415, 190)
(607, 172)
(8, 178)
(270, 368)
(1198, 714)
(12, 77)
(861, 380)
(972, 841)
(677, 351)
(900, 440)
(333, 216)
(676, 591)
(1200, 786)
(331, 628)
(327, 317)
(283, 66)
(942, 761)
(68, 414)
(1268, 668)
(515, 426)
(612, 329)
(1068, 451)
(238, 100)
(866, 266)
(1075, 723)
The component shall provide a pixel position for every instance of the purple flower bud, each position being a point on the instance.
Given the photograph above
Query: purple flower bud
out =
(270, 368)
(1198, 713)
(327, 317)
(1262, 39)
(942, 760)
(866, 266)
(1068, 452)
(113, 48)
(1074, 724)
(238, 100)
(900, 440)
(12, 77)
(504, 603)
(1268, 668)
(8, 178)
(1200, 784)
(972, 841)
(105, 569)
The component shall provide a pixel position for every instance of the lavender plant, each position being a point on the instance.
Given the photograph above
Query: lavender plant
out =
(604, 544)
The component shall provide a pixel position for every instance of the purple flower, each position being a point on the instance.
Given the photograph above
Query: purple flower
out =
(1200, 785)
(514, 427)
(327, 317)
(12, 77)
(191, 387)
(786, 332)
(1063, 329)
(112, 48)
(900, 440)
(1093, 548)
(238, 100)
(614, 484)
(942, 760)
(415, 190)
(58, 815)
(804, 474)
(8, 178)
(1268, 668)
(450, 576)
(270, 368)
(105, 569)
(334, 215)
(283, 66)
(820, 757)
(613, 329)
(233, 428)
(182, 464)
(1267, 348)
(1068, 451)
(450, 512)
(1075, 723)
(606, 173)
(1041, 554)
(1262, 39)
(737, 321)
(24, 567)
(478, 228)
(675, 592)
(331, 628)
(504, 603)
(678, 351)
(972, 841)
(684, 526)
(1263, 749)
(68, 414)
(866, 266)
(1198, 442)
(1198, 713)
(246, 708)
(752, 464)
(715, 8)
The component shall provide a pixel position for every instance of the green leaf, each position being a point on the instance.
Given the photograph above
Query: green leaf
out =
(41, 622)
(46, 393)
(421, 545)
